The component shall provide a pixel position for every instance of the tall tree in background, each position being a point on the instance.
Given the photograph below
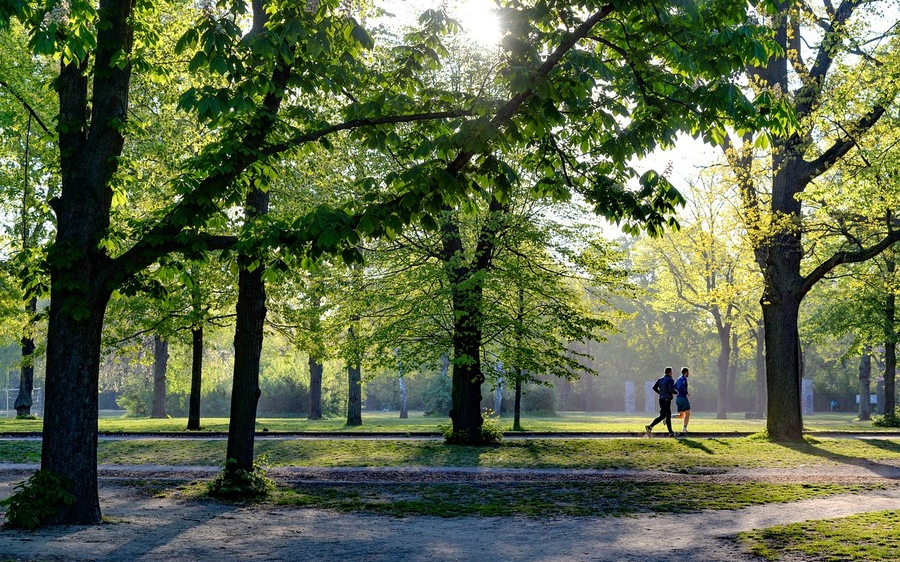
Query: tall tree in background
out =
(702, 266)
(834, 115)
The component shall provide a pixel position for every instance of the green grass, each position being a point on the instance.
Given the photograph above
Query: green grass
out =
(683, 455)
(870, 537)
(543, 499)
(389, 421)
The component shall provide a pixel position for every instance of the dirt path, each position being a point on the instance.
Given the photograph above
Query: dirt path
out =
(166, 529)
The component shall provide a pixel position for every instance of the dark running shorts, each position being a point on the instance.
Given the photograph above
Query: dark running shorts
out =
(683, 404)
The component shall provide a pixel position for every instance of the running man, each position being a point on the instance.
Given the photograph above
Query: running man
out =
(681, 401)
(665, 387)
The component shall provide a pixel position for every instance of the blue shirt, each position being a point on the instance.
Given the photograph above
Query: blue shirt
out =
(681, 386)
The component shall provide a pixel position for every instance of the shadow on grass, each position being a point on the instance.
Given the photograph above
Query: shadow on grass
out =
(695, 444)
(881, 469)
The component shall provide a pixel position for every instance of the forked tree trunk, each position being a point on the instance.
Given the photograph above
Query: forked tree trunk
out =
(196, 378)
(160, 367)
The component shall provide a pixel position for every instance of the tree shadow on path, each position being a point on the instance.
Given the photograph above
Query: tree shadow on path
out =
(878, 468)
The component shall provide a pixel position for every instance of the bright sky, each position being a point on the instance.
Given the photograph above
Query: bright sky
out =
(476, 16)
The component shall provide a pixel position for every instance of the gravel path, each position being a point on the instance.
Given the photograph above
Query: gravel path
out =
(169, 529)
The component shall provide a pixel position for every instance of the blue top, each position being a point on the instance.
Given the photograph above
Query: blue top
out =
(681, 386)
(665, 387)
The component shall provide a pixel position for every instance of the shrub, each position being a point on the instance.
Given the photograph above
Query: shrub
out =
(437, 396)
(38, 500)
(234, 484)
(540, 400)
(491, 434)
(887, 420)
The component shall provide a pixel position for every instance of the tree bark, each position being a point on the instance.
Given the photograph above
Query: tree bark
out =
(25, 398)
(196, 378)
(784, 419)
(90, 141)
(722, 364)
(315, 388)
(865, 377)
(890, 343)
(354, 388)
(404, 413)
(248, 339)
(732, 370)
(517, 403)
(160, 366)
(760, 372)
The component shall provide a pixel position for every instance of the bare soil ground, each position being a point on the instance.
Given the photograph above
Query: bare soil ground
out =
(148, 528)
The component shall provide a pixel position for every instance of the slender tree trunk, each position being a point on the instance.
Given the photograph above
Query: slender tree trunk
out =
(315, 388)
(732, 369)
(517, 404)
(248, 339)
(196, 378)
(25, 399)
(760, 372)
(160, 366)
(890, 345)
(354, 388)
(404, 413)
(865, 376)
(722, 364)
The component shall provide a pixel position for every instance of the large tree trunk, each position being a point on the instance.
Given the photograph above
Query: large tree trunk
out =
(865, 390)
(248, 339)
(196, 378)
(315, 388)
(160, 366)
(784, 418)
(90, 141)
(467, 376)
(24, 399)
(69, 447)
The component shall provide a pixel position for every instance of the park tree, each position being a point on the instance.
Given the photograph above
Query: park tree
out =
(703, 267)
(837, 70)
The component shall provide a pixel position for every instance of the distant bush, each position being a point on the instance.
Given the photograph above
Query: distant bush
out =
(539, 400)
(437, 397)
(283, 395)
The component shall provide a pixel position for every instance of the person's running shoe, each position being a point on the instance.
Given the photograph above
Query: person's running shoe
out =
(648, 430)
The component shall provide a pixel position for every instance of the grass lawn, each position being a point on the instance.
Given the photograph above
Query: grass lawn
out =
(375, 422)
(664, 454)
(870, 537)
